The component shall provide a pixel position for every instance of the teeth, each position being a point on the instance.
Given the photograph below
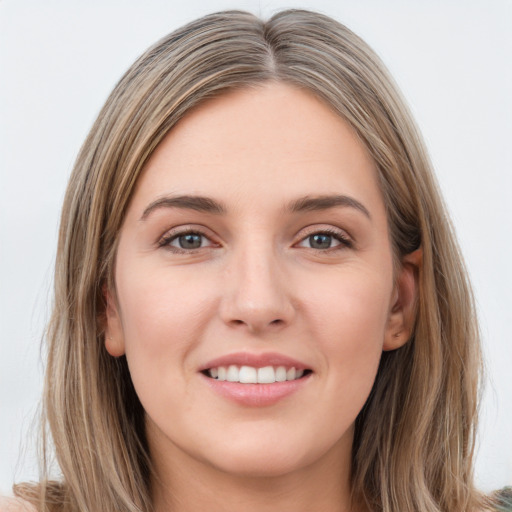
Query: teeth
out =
(266, 375)
(248, 375)
(233, 374)
(280, 374)
(251, 375)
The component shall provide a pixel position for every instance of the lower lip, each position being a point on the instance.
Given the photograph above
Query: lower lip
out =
(256, 395)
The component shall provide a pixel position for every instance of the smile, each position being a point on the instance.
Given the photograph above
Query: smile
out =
(256, 380)
(252, 375)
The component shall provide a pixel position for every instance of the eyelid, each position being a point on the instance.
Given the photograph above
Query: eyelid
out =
(164, 241)
(345, 240)
(173, 233)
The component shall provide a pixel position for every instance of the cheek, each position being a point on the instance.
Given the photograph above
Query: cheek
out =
(352, 304)
(157, 300)
(349, 316)
(163, 315)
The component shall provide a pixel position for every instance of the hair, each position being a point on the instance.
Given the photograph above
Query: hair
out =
(414, 438)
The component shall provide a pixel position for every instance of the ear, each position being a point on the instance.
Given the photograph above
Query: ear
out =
(114, 338)
(402, 314)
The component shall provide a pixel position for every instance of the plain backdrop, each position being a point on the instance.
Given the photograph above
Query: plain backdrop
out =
(60, 59)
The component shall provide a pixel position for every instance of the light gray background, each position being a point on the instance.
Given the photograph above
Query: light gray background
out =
(60, 59)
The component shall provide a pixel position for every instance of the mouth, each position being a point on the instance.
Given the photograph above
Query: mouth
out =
(256, 380)
(255, 375)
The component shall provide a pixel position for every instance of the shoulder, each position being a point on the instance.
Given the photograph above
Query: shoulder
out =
(9, 504)
(503, 500)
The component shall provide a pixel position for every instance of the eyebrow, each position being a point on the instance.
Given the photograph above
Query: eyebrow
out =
(316, 203)
(197, 203)
(209, 205)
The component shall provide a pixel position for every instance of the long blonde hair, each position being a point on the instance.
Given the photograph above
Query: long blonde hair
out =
(414, 438)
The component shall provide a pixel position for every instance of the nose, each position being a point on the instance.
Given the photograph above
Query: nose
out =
(256, 293)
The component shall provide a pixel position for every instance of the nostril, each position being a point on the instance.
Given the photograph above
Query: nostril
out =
(276, 322)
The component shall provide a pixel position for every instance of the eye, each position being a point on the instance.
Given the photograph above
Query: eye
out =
(185, 241)
(325, 240)
(188, 241)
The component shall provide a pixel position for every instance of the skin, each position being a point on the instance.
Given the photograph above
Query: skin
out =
(15, 505)
(257, 284)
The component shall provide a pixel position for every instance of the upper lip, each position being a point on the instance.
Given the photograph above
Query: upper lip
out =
(255, 360)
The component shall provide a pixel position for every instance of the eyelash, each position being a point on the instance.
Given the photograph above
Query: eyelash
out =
(170, 237)
(165, 241)
(344, 241)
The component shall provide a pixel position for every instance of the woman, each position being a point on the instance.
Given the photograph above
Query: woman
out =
(259, 301)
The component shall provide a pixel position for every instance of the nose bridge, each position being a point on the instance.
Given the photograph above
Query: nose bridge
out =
(256, 293)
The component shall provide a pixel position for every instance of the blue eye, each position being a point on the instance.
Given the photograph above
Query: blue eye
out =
(189, 241)
(320, 241)
(185, 241)
(325, 240)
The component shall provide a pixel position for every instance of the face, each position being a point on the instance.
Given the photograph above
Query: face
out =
(255, 289)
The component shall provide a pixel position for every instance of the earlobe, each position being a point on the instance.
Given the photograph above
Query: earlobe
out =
(114, 339)
(403, 306)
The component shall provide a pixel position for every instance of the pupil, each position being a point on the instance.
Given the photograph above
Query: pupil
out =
(320, 241)
(190, 241)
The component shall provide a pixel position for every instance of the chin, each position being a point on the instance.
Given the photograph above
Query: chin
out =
(261, 465)
(267, 456)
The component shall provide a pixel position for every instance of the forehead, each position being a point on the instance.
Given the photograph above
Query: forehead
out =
(269, 143)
